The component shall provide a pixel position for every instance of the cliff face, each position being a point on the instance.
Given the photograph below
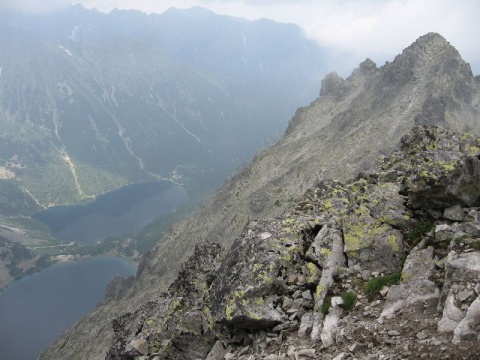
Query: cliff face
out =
(383, 266)
(352, 123)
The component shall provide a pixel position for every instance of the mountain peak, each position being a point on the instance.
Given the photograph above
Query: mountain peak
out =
(431, 38)
(430, 48)
(432, 43)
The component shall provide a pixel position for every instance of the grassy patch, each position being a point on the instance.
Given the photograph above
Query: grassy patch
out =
(373, 287)
(327, 304)
(349, 300)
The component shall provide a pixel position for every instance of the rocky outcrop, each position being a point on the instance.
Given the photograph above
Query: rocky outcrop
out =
(354, 122)
(178, 324)
(358, 269)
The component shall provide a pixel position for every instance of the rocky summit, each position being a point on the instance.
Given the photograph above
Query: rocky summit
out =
(382, 262)
(383, 266)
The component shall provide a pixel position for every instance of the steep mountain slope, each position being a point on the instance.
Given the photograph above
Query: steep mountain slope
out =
(92, 101)
(386, 265)
(345, 130)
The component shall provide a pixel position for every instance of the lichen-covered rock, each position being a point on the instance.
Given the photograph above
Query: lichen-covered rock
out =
(178, 323)
(371, 244)
(252, 280)
(296, 286)
(441, 169)
(331, 258)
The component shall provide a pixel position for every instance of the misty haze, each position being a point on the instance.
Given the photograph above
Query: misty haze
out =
(234, 179)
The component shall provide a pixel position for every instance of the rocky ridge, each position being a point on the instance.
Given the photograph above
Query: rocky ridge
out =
(383, 266)
(343, 132)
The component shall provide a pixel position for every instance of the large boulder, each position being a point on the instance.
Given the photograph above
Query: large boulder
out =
(253, 277)
(177, 324)
(441, 168)
(415, 285)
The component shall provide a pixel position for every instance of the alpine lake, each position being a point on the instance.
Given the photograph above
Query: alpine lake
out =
(36, 309)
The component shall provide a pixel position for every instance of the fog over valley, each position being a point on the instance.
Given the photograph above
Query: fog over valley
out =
(238, 179)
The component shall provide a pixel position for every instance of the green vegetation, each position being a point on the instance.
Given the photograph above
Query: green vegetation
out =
(14, 202)
(43, 262)
(12, 254)
(349, 300)
(327, 304)
(421, 228)
(373, 287)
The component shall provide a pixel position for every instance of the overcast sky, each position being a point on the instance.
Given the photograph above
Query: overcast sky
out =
(352, 29)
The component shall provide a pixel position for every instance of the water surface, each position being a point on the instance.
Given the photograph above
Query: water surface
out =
(118, 212)
(37, 309)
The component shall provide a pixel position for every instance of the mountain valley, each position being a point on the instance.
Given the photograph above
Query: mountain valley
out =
(92, 102)
(247, 275)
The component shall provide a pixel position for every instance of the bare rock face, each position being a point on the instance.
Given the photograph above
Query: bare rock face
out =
(320, 239)
(333, 85)
(415, 286)
(176, 324)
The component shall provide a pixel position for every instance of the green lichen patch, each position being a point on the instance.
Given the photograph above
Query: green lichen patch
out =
(372, 244)
(313, 276)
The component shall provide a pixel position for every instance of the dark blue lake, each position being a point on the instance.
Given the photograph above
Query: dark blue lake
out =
(36, 310)
(118, 212)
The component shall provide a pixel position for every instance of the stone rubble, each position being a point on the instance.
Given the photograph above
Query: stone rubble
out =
(385, 266)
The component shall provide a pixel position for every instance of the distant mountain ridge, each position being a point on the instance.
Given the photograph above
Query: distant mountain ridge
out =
(353, 123)
(91, 101)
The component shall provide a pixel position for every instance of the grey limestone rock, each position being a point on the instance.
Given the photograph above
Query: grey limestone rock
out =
(460, 268)
(452, 315)
(140, 345)
(333, 85)
(330, 327)
(468, 328)
(217, 352)
(306, 325)
(454, 213)
(415, 285)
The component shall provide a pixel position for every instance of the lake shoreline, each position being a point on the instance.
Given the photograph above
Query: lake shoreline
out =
(4, 272)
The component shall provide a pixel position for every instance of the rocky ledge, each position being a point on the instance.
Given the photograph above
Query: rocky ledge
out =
(385, 266)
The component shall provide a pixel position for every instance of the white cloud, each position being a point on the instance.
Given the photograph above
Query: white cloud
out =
(33, 6)
(351, 29)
